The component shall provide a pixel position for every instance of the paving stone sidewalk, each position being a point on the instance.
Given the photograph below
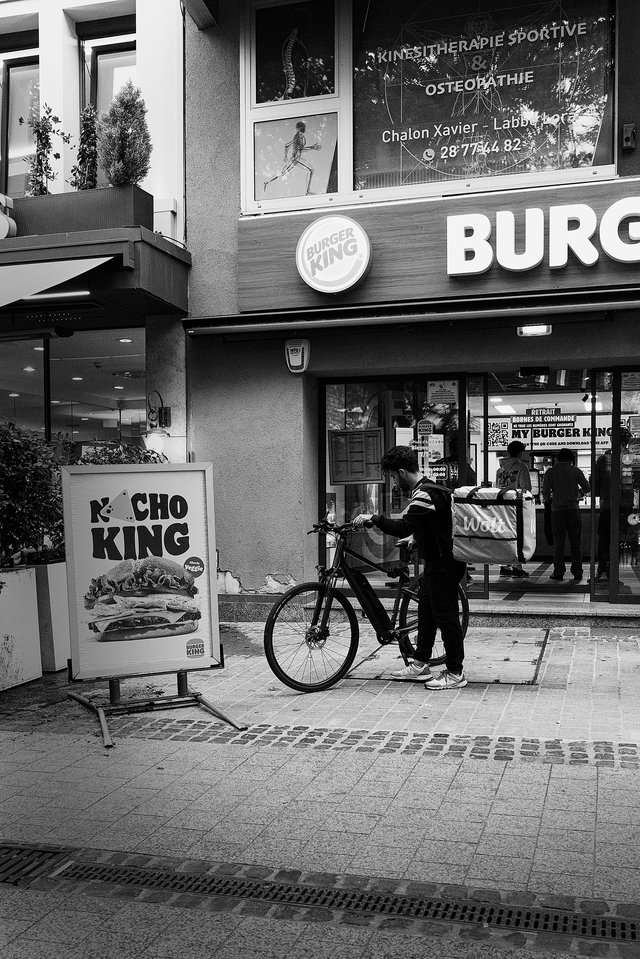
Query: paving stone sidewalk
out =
(499, 790)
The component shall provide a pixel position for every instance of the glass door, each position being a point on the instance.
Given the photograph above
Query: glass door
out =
(624, 543)
(363, 419)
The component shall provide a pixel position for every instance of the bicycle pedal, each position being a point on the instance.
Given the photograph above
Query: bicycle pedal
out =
(384, 640)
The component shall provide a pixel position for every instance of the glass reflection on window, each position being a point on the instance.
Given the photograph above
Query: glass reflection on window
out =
(24, 100)
(296, 157)
(295, 54)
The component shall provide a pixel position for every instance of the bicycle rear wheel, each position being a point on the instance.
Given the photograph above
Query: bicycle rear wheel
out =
(301, 652)
(408, 619)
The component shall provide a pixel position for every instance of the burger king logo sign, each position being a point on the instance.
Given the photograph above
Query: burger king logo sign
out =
(333, 254)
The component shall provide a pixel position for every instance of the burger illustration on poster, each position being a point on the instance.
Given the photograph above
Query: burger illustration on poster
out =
(142, 599)
(143, 594)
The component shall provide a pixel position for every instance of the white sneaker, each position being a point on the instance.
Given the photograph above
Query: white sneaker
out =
(413, 673)
(446, 680)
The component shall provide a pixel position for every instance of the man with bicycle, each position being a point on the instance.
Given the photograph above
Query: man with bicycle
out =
(428, 520)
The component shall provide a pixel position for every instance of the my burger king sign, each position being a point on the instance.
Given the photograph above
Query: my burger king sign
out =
(333, 254)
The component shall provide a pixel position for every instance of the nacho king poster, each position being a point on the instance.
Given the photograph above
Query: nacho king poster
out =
(141, 569)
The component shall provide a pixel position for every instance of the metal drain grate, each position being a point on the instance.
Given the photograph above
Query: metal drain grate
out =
(22, 864)
(350, 900)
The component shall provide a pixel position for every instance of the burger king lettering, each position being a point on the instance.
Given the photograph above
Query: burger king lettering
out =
(333, 254)
(118, 542)
(571, 227)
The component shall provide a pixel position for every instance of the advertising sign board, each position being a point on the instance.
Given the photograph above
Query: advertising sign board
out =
(549, 431)
(141, 569)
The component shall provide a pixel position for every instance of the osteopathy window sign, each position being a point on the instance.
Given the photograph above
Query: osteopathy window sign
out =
(141, 569)
(333, 254)
(474, 243)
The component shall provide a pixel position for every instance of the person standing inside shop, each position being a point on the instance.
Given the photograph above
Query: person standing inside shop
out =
(513, 473)
(565, 485)
(428, 519)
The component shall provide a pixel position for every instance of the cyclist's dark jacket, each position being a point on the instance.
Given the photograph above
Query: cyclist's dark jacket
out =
(427, 517)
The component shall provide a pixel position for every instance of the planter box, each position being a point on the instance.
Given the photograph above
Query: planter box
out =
(20, 660)
(113, 206)
(53, 615)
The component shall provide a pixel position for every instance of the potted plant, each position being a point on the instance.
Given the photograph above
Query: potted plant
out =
(124, 144)
(34, 618)
(31, 531)
(84, 172)
(120, 141)
(44, 126)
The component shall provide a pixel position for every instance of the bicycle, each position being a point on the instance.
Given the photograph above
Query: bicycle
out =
(311, 635)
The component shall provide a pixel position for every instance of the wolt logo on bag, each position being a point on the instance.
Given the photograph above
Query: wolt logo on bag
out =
(492, 525)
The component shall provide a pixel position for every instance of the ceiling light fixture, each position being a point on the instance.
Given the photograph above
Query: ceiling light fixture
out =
(14, 394)
(28, 369)
(124, 339)
(535, 329)
(58, 296)
(39, 349)
(78, 379)
(505, 410)
(118, 387)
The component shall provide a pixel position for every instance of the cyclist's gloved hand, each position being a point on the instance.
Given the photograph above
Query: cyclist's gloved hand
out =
(362, 519)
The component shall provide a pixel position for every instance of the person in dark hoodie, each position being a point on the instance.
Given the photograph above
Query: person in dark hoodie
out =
(428, 519)
(513, 473)
(565, 485)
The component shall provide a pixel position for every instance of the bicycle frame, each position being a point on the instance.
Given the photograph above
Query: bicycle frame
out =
(383, 623)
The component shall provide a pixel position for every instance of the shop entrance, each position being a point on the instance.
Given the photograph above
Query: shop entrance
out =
(461, 426)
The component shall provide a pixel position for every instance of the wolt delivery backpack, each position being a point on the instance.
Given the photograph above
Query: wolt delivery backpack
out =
(493, 525)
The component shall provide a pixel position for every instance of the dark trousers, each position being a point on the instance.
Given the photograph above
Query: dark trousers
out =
(438, 609)
(567, 522)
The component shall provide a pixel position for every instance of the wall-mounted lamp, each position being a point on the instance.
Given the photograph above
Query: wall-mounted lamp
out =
(535, 329)
(158, 417)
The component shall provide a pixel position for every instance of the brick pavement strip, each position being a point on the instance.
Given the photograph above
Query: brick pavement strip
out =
(511, 803)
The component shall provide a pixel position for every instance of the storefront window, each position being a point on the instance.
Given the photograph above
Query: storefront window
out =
(425, 100)
(21, 99)
(22, 383)
(97, 385)
(109, 63)
(296, 157)
(295, 51)
(523, 88)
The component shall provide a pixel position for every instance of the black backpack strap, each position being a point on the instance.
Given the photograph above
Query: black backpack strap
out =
(446, 495)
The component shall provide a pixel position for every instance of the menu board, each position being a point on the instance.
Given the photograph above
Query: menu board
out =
(355, 455)
(448, 93)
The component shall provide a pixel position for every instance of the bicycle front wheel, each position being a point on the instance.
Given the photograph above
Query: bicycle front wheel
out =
(408, 619)
(308, 647)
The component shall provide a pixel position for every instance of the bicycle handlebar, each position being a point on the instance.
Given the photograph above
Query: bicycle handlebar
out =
(326, 527)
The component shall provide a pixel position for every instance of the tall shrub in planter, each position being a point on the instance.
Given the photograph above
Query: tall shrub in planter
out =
(124, 144)
(44, 127)
(84, 173)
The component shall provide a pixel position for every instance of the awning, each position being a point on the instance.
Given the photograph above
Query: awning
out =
(19, 280)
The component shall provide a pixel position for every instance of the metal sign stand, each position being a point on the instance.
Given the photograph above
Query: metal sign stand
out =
(116, 707)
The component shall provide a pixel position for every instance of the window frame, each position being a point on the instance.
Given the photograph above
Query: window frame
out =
(8, 63)
(342, 102)
(125, 47)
